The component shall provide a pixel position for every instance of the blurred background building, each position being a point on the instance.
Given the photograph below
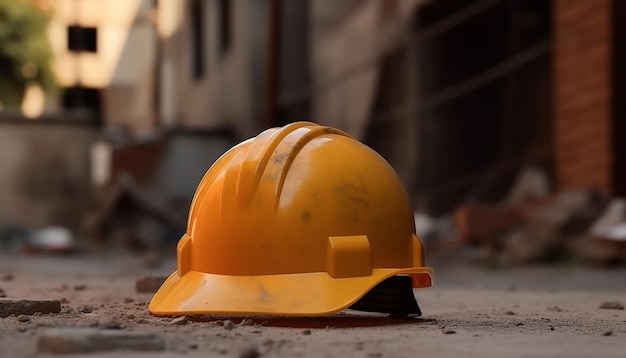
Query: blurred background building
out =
(460, 96)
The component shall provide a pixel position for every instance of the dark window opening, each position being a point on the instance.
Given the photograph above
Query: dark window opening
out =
(80, 98)
(484, 97)
(82, 39)
(224, 25)
(197, 38)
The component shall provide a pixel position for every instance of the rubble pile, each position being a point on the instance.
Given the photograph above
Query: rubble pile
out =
(531, 225)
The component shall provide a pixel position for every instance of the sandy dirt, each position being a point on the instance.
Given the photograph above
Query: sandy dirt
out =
(471, 312)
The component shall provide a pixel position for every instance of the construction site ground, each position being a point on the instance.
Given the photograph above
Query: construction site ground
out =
(472, 311)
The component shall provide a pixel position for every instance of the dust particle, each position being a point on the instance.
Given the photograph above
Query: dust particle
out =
(248, 352)
(86, 309)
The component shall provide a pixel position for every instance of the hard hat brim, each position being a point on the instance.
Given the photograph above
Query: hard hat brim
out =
(302, 294)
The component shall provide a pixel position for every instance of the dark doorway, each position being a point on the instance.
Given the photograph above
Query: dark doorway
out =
(484, 94)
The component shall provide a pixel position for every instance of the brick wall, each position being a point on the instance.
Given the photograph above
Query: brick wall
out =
(582, 93)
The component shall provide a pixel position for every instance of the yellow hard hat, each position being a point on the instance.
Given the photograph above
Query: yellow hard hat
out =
(302, 220)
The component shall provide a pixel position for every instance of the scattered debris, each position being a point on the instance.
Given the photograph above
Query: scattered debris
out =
(249, 352)
(9, 306)
(179, 321)
(80, 287)
(607, 333)
(85, 340)
(23, 318)
(306, 332)
(154, 222)
(149, 284)
(448, 331)
(228, 325)
(51, 240)
(612, 305)
(246, 322)
(86, 309)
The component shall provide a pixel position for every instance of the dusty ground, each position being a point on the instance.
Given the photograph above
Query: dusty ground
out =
(545, 312)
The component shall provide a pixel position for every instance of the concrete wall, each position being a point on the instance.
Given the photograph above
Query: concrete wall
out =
(44, 176)
(223, 94)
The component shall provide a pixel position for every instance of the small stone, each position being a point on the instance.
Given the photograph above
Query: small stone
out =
(519, 324)
(246, 322)
(64, 300)
(249, 352)
(448, 331)
(130, 316)
(11, 306)
(149, 284)
(179, 321)
(607, 333)
(510, 313)
(22, 329)
(228, 325)
(552, 328)
(7, 277)
(86, 309)
(2, 293)
(193, 346)
(128, 300)
(80, 287)
(23, 318)
(267, 342)
(612, 305)
(141, 321)
(555, 309)
(306, 332)
(85, 340)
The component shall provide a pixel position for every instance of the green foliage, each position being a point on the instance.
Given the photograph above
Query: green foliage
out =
(25, 53)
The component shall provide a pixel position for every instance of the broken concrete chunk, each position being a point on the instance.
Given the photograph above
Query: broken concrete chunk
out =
(85, 340)
(149, 284)
(23, 318)
(612, 305)
(9, 306)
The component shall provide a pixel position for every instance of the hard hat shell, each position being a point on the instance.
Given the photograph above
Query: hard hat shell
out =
(301, 220)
